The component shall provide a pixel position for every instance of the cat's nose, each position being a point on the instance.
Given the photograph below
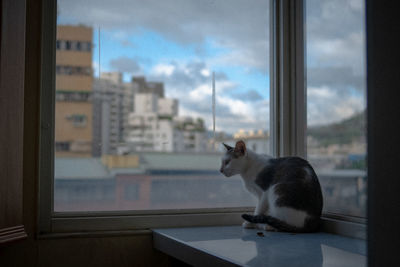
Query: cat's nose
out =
(221, 170)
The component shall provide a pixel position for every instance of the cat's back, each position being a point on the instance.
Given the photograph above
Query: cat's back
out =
(295, 183)
(286, 170)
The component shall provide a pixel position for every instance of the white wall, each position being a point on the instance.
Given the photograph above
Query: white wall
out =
(146, 103)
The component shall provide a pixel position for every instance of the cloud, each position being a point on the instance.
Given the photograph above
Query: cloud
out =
(335, 51)
(335, 33)
(163, 69)
(190, 83)
(337, 78)
(251, 95)
(326, 106)
(180, 77)
(123, 38)
(125, 64)
(240, 26)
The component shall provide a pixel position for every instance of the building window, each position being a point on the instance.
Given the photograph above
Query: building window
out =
(82, 46)
(73, 70)
(88, 47)
(78, 120)
(62, 146)
(73, 96)
(67, 45)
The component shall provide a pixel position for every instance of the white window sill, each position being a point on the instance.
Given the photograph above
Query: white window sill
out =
(235, 246)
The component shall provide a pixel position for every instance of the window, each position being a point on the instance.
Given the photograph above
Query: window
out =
(67, 45)
(336, 105)
(78, 120)
(83, 46)
(73, 70)
(166, 74)
(62, 146)
(63, 95)
(175, 171)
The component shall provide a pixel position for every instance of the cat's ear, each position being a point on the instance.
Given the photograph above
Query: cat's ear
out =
(227, 147)
(240, 148)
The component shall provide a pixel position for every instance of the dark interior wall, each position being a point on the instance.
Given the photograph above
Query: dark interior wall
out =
(119, 251)
(128, 250)
(383, 81)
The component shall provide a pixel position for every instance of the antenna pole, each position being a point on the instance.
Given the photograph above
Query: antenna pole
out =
(213, 104)
(99, 54)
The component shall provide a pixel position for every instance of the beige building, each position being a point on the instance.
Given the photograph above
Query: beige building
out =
(73, 117)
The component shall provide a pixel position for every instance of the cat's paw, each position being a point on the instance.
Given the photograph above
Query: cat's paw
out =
(268, 227)
(248, 225)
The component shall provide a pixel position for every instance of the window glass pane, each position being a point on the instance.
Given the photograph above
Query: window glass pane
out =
(336, 105)
(140, 134)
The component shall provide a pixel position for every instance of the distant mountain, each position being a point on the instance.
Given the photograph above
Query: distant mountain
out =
(344, 132)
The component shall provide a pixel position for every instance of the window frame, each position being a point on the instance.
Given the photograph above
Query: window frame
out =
(288, 136)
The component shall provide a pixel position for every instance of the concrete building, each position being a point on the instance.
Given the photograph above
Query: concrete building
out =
(146, 103)
(154, 125)
(167, 107)
(112, 102)
(258, 141)
(190, 134)
(148, 87)
(73, 115)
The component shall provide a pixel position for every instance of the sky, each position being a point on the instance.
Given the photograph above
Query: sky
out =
(181, 42)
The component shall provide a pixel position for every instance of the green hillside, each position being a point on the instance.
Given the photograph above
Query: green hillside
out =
(344, 132)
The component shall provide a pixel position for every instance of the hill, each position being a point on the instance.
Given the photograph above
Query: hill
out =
(344, 132)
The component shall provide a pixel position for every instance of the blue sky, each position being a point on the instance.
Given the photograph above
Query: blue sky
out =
(150, 48)
(180, 42)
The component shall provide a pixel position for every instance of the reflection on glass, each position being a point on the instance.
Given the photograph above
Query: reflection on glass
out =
(133, 101)
(336, 137)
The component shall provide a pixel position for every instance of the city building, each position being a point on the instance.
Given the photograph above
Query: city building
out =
(147, 86)
(190, 134)
(112, 102)
(154, 125)
(73, 111)
(258, 141)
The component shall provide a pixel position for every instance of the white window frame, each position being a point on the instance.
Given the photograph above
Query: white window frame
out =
(288, 125)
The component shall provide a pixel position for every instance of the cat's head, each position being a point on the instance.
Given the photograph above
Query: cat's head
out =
(233, 161)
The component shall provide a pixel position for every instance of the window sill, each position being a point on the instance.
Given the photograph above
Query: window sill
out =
(235, 246)
(122, 222)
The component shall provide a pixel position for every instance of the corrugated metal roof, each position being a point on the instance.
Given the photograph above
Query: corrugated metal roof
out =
(182, 161)
(78, 168)
(92, 168)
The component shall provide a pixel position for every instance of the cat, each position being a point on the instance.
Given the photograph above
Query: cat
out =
(287, 188)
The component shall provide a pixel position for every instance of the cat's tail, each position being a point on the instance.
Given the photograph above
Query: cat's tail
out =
(310, 225)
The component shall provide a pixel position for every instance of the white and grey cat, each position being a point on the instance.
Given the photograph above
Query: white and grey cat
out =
(288, 191)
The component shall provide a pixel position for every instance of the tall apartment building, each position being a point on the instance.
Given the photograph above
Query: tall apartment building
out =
(149, 129)
(144, 86)
(154, 125)
(112, 103)
(73, 116)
